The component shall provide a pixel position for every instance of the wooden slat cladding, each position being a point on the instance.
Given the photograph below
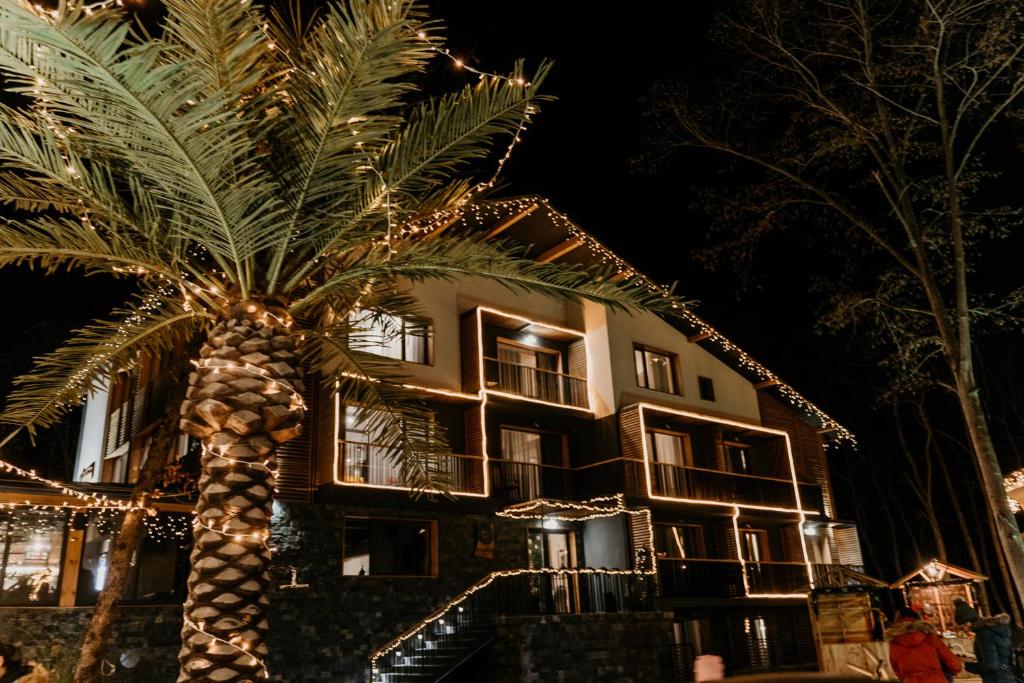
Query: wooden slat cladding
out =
(791, 548)
(808, 450)
(725, 541)
(474, 432)
(577, 359)
(849, 546)
(326, 407)
(631, 431)
(640, 535)
(470, 346)
(294, 458)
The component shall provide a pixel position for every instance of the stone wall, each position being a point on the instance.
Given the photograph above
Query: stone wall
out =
(595, 648)
(146, 638)
(321, 633)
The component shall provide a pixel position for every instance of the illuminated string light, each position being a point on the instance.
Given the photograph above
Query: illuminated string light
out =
(232, 643)
(485, 213)
(439, 615)
(1014, 481)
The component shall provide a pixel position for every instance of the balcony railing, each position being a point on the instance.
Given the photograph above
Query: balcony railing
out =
(778, 578)
(535, 383)
(676, 481)
(520, 481)
(372, 464)
(696, 578)
(812, 498)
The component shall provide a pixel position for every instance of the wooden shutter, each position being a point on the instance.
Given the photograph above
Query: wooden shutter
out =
(631, 432)
(294, 458)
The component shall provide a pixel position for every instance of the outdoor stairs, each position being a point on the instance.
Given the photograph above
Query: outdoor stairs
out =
(439, 654)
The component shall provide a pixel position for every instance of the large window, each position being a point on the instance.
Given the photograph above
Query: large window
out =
(755, 545)
(31, 550)
(679, 541)
(366, 460)
(389, 547)
(669, 448)
(392, 337)
(655, 370)
(157, 570)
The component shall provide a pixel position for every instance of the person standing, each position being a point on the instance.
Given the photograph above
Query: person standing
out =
(916, 654)
(993, 643)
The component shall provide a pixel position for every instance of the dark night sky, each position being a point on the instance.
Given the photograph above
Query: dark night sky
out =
(577, 154)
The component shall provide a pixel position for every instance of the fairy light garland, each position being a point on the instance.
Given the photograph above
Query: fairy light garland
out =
(438, 615)
(1013, 482)
(480, 214)
(240, 647)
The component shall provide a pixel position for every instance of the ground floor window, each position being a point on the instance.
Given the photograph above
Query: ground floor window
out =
(157, 570)
(31, 553)
(389, 547)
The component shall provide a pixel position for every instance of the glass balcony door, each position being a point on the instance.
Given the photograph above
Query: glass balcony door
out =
(529, 372)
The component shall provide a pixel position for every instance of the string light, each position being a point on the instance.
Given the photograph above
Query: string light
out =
(89, 500)
(439, 615)
(263, 672)
(1014, 481)
(481, 214)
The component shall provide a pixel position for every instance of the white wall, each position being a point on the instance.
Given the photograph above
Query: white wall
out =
(610, 339)
(90, 439)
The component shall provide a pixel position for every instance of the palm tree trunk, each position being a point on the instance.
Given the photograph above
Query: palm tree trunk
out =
(243, 401)
(129, 537)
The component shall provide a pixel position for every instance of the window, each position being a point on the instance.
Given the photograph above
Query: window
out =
(737, 457)
(531, 372)
(655, 370)
(706, 388)
(679, 541)
(669, 448)
(389, 547)
(392, 337)
(366, 460)
(31, 548)
(755, 545)
(157, 571)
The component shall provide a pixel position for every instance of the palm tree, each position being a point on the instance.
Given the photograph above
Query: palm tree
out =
(259, 178)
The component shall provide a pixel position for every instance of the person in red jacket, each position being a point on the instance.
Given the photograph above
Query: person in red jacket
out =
(918, 655)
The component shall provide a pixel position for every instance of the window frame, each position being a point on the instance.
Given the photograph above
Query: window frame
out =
(684, 438)
(704, 382)
(427, 323)
(432, 547)
(701, 541)
(673, 360)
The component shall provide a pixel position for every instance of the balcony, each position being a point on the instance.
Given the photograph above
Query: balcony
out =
(522, 481)
(534, 383)
(695, 483)
(700, 578)
(777, 578)
(369, 464)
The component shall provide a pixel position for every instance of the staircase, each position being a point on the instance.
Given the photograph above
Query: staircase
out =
(434, 649)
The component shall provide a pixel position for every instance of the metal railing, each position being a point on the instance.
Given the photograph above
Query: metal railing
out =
(535, 383)
(700, 578)
(520, 481)
(373, 464)
(451, 634)
(777, 578)
(677, 481)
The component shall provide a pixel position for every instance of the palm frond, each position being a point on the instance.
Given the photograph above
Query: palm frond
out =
(61, 379)
(138, 103)
(455, 256)
(347, 80)
(440, 138)
(53, 243)
(403, 424)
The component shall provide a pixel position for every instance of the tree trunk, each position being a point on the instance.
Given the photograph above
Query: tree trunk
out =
(965, 531)
(243, 401)
(129, 537)
(1008, 537)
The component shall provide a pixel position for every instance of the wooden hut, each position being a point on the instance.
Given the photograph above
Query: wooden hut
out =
(931, 590)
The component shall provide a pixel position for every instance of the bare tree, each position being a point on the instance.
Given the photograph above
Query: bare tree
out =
(875, 125)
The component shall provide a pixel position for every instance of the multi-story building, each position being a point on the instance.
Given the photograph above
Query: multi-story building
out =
(613, 468)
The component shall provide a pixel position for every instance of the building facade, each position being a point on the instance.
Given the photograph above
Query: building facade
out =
(611, 472)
